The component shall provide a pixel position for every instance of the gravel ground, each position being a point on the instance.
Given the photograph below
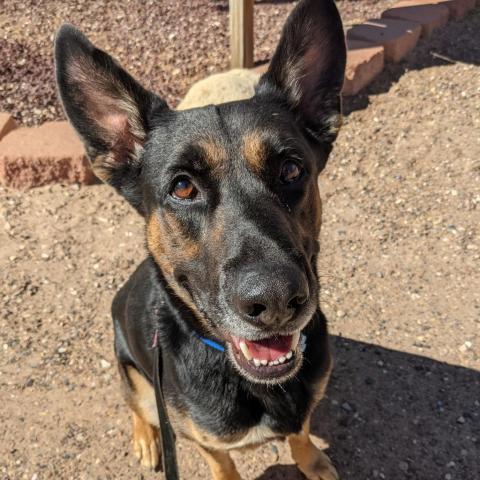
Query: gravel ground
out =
(400, 275)
(163, 43)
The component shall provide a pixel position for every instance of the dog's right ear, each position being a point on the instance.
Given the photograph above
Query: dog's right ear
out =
(110, 111)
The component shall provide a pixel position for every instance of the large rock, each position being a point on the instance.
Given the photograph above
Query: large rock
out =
(31, 157)
(234, 85)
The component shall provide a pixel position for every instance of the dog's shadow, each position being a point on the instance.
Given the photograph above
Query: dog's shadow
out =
(395, 415)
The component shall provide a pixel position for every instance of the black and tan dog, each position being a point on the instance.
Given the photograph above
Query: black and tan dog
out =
(232, 209)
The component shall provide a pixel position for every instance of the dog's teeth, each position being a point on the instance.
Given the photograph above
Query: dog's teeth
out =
(257, 362)
(289, 355)
(245, 351)
(276, 362)
(264, 362)
(271, 363)
(281, 359)
(295, 339)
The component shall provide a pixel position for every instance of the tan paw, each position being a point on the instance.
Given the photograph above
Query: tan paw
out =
(146, 443)
(320, 468)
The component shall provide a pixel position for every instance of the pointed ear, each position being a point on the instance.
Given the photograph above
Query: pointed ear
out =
(308, 67)
(110, 111)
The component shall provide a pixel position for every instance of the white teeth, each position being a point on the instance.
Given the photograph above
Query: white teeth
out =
(295, 339)
(298, 339)
(245, 351)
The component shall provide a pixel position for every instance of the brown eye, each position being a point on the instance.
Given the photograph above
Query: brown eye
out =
(184, 189)
(291, 172)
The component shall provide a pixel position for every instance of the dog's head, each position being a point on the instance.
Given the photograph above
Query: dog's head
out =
(229, 192)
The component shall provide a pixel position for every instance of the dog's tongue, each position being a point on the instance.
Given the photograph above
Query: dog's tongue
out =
(269, 348)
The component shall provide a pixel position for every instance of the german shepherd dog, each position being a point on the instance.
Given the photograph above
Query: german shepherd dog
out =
(232, 211)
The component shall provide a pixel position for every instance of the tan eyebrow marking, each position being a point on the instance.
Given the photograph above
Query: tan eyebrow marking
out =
(254, 151)
(215, 153)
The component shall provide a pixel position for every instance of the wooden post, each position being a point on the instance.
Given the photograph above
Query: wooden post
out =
(241, 33)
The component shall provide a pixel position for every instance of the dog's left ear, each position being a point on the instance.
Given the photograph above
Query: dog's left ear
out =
(308, 67)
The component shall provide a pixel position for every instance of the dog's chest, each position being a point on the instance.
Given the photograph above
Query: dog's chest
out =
(220, 413)
(251, 437)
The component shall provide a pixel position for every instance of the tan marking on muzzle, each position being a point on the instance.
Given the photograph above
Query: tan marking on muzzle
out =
(168, 243)
(170, 246)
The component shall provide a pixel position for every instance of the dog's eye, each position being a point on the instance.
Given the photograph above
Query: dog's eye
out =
(184, 189)
(291, 172)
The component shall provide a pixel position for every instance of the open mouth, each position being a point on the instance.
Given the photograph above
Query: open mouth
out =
(270, 360)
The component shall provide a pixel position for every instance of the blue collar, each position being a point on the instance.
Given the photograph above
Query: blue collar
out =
(210, 343)
(205, 340)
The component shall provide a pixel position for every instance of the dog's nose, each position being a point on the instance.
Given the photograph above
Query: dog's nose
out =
(271, 298)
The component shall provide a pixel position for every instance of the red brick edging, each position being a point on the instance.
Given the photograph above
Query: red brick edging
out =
(36, 156)
(52, 153)
(397, 33)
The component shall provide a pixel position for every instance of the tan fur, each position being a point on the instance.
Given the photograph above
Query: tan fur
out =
(168, 243)
(146, 442)
(311, 461)
(220, 463)
(214, 153)
(141, 399)
(254, 151)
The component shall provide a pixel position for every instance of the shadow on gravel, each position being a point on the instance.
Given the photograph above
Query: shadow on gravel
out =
(394, 415)
(457, 42)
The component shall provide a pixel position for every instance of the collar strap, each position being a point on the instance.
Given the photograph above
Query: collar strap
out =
(204, 340)
(210, 343)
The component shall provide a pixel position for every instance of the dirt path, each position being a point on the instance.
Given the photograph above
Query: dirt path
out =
(401, 279)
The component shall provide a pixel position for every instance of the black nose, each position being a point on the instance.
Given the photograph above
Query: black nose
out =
(272, 296)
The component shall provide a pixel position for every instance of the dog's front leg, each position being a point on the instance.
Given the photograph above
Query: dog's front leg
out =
(220, 463)
(311, 461)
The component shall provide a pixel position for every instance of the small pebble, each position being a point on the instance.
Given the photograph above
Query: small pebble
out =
(105, 364)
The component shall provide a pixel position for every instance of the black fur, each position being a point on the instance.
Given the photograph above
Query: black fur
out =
(268, 228)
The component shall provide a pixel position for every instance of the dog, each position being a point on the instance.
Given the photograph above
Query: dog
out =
(232, 213)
